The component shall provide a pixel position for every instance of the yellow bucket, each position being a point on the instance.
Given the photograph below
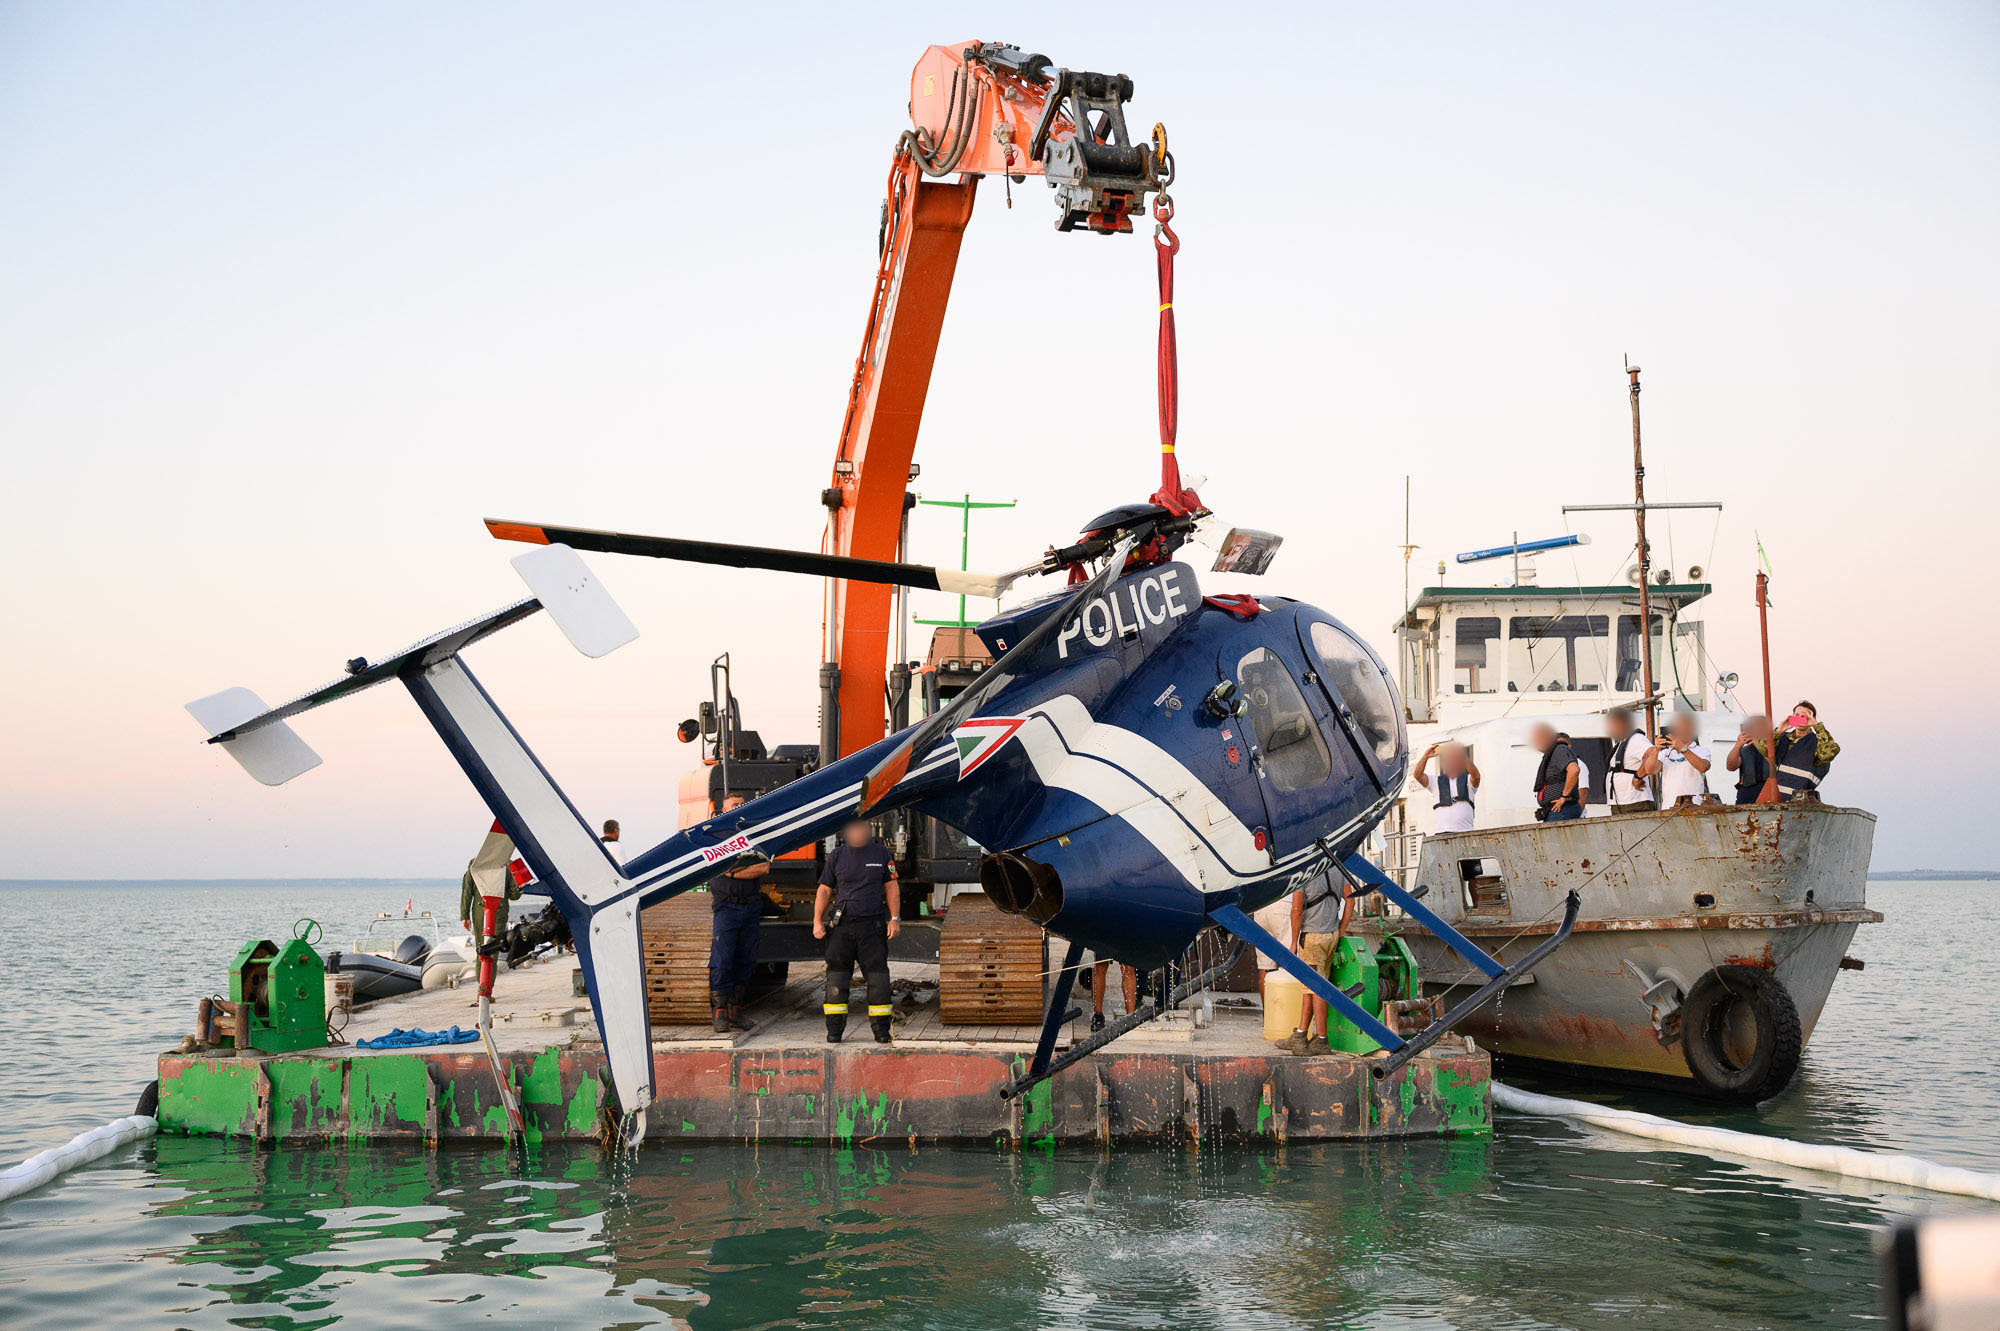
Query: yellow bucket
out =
(1284, 999)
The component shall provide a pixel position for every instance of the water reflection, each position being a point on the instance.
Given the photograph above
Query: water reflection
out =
(1530, 1228)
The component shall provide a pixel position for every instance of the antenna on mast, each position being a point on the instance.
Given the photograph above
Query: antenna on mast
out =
(1406, 547)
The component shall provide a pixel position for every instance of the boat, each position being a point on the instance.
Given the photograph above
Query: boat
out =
(1710, 935)
(414, 962)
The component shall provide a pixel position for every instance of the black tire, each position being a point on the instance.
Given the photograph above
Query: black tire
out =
(149, 1100)
(1740, 1034)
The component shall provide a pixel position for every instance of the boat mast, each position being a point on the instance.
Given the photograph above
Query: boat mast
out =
(1645, 562)
(1406, 547)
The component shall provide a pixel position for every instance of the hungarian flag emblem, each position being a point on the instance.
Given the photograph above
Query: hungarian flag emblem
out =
(981, 738)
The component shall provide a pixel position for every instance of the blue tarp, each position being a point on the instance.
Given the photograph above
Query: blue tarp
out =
(402, 1039)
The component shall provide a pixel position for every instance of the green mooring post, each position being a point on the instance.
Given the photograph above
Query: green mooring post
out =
(285, 988)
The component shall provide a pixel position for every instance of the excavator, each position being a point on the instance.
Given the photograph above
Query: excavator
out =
(977, 109)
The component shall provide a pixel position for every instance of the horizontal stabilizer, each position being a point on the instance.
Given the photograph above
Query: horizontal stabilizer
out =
(575, 599)
(274, 753)
(365, 674)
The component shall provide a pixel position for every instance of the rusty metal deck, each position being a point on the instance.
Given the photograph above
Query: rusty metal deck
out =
(781, 1081)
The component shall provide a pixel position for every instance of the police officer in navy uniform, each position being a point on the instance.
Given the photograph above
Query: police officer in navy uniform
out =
(859, 885)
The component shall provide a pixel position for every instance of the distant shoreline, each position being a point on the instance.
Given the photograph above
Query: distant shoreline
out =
(1937, 875)
(230, 882)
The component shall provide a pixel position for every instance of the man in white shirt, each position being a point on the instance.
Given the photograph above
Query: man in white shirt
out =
(1681, 764)
(612, 847)
(1452, 789)
(1629, 791)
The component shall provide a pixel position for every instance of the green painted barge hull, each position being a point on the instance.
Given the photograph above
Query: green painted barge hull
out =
(865, 1095)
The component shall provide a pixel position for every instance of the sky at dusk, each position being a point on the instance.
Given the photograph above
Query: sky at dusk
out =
(291, 297)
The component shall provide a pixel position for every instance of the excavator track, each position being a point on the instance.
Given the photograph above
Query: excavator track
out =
(990, 965)
(674, 938)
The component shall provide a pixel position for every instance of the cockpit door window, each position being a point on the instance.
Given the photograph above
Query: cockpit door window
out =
(1362, 690)
(1295, 755)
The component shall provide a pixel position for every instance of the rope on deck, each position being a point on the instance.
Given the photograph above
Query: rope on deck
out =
(36, 1170)
(1907, 1170)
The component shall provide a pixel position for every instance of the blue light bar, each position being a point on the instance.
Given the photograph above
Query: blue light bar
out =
(1524, 548)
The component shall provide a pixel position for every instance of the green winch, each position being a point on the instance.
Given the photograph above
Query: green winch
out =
(1386, 975)
(281, 992)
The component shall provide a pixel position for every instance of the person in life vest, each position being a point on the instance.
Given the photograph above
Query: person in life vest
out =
(736, 910)
(858, 887)
(1750, 758)
(1802, 751)
(1557, 796)
(1681, 764)
(1628, 789)
(1452, 788)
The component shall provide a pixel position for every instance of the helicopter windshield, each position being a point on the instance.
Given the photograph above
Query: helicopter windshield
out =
(1359, 683)
(1295, 756)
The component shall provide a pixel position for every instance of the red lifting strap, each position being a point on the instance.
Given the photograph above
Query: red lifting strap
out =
(1171, 495)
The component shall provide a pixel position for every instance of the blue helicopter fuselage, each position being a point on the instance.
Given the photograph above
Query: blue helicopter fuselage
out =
(1116, 804)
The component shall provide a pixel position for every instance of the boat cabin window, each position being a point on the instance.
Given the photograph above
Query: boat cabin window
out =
(1359, 683)
(1630, 673)
(1474, 667)
(1295, 756)
(1558, 654)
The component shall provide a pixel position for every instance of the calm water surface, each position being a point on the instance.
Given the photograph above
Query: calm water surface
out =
(1540, 1225)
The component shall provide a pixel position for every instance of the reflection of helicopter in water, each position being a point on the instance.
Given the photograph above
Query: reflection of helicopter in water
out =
(1144, 761)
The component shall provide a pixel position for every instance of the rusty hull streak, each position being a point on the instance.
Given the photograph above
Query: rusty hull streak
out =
(1790, 919)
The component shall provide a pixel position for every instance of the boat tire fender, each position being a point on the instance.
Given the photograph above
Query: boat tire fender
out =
(149, 1100)
(1721, 1067)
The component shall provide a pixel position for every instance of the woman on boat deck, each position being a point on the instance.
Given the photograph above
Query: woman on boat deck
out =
(1802, 750)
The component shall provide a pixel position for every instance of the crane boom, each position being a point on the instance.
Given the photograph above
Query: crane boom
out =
(977, 109)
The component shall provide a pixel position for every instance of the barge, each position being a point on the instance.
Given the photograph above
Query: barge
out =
(780, 1081)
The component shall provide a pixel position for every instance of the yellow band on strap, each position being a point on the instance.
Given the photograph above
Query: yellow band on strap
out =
(880, 1009)
(1168, 306)
(835, 1009)
(1168, 448)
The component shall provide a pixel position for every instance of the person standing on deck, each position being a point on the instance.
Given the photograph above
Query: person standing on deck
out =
(1128, 980)
(1750, 758)
(858, 884)
(489, 877)
(1802, 751)
(612, 846)
(1318, 913)
(736, 907)
(1275, 920)
(1557, 798)
(1681, 764)
(1630, 748)
(1453, 787)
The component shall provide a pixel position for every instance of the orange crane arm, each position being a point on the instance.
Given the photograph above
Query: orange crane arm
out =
(978, 108)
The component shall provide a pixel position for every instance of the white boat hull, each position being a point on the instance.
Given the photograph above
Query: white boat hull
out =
(1667, 897)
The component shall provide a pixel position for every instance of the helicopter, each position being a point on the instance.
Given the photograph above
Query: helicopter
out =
(1140, 762)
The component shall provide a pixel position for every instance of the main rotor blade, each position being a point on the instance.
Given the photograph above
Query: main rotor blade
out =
(923, 576)
(896, 765)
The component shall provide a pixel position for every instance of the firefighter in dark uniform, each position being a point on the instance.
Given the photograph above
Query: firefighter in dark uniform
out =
(855, 910)
(736, 900)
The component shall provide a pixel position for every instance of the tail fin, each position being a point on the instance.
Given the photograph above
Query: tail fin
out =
(551, 835)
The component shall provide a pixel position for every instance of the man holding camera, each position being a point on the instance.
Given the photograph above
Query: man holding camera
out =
(855, 910)
(1681, 764)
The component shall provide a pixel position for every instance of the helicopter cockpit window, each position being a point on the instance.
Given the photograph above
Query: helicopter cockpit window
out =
(1359, 683)
(1294, 754)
